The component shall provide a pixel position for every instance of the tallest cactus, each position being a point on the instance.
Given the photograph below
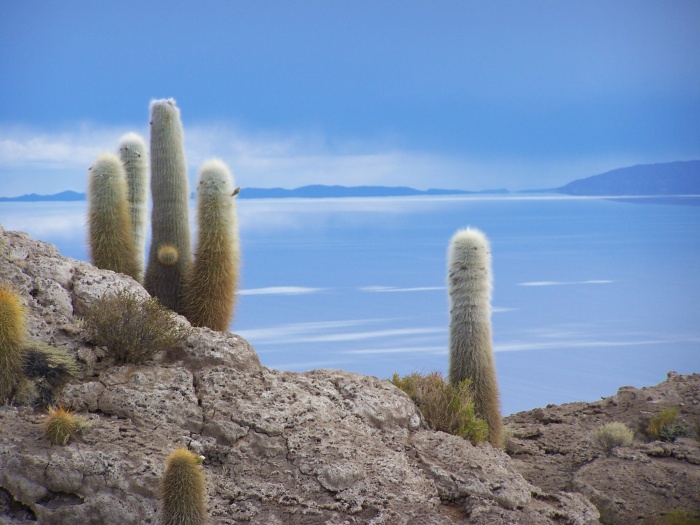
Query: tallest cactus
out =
(171, 252)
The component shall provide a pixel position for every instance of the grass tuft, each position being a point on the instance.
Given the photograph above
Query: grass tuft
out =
(665, 417)
(445, 407)
(613, 435)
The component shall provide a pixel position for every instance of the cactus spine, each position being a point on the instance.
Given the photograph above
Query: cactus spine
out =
(132, 151)
(170, 217)
(210, 287)
(471, 352)
(109, 222)
(183, 490)
(12, 336)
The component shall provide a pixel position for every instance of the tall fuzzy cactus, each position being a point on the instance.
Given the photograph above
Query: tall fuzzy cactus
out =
(134, 157)
(12, 337)
(471, 352)
(210, 286)
(183, 490)
(170, 253)
(109, 223)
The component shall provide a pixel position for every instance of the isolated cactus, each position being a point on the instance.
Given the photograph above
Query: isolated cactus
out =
(109, 223)
(12, 337)
(471, 352)
(169, 217)
(183, 490)
(210, 287)
(61, 426)
(134, 157)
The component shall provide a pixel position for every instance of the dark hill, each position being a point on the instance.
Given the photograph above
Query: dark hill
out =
(671, 178)
(33, 197)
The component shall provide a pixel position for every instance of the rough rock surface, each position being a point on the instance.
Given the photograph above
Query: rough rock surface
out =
(554, 449)
(323, 447)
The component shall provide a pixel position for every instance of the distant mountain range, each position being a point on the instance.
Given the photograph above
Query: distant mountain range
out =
(33, 197)
(316, 191)
(672, 178)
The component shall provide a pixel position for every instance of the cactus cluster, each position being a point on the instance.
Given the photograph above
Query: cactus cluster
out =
(203, 290)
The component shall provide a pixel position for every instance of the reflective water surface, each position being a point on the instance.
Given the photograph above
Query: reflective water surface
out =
(589, 294)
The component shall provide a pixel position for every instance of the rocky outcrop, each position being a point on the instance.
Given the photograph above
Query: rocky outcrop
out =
(554, 449)
(323, 447)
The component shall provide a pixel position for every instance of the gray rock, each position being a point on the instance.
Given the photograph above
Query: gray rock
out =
(322, 447)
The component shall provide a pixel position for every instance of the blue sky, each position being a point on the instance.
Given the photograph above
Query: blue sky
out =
(451, 94)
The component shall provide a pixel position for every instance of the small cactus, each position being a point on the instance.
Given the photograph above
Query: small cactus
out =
(61, 426)
(471, 352)
(170, 214)
(132, 152)
(183, 490)
(109, 223)
(12, 337)
(210, 286)
(168, 255)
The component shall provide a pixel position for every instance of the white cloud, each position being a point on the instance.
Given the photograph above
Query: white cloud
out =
(565, 283)
(287, 332)
(372, 334)
(281, 290)
(384, 289)
(74, 148)
(501, 309)
(586, 343)
(427, 350)
(330, 331)
(56, 160)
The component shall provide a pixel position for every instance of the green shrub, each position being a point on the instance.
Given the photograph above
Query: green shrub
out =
(665, 417)
(133, 329)
(445, 407)
(613, 435)
(674, 430)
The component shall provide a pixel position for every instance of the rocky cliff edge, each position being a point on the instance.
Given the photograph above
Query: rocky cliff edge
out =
(322, 447)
